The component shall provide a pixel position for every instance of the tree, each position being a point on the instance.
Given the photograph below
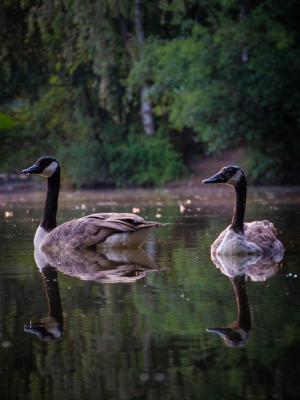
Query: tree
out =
(78, 71)
(146, 106)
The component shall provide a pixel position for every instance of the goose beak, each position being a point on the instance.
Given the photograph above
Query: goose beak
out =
(214, 179)
(31, 170)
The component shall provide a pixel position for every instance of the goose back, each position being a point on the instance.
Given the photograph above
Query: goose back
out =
(259, 233)
(101, 229)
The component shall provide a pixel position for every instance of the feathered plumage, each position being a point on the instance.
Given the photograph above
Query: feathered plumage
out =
(241, 238)
(107, 229)
(101, 229)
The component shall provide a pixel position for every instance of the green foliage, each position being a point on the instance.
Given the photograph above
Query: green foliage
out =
(143, 160)
(6, 122)
(227, 71)
(121, 158)
(59, 125)
(231, 82)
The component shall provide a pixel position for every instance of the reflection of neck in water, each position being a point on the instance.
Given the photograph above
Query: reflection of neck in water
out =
(237, 333)
(238, 268)
(51, 328)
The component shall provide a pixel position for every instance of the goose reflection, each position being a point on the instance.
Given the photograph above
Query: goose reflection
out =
(51, 328)
(238, 269)
(109, 266)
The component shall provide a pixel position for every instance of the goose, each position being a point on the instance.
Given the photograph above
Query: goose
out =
(241, 238)
(115, 230)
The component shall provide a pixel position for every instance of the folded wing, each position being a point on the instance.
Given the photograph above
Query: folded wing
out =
(95, 229)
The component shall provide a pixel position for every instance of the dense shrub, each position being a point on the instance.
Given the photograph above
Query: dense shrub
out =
(71, 74)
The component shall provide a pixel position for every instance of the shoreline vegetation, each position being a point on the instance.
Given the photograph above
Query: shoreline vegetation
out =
(136, 93)
(199, 169)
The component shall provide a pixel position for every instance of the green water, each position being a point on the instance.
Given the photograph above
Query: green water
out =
(143, 335)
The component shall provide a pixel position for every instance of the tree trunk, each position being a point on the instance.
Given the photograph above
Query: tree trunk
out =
(146, 105)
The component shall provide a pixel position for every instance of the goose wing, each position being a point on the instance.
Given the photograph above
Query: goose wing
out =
(262, 233)
(94, 229)
(133, 218)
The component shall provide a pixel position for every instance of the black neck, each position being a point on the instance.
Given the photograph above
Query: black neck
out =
(50, 210)
(237, 223)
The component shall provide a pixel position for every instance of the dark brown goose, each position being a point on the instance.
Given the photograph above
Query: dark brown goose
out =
(107, 229)
(241, 238)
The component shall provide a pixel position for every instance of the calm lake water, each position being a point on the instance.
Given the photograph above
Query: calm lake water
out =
(134, 324)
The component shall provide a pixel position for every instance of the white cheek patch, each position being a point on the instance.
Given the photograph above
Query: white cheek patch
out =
(49, 171)
(234, 180)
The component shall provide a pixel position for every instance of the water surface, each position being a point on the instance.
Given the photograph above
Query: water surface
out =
(138, 329)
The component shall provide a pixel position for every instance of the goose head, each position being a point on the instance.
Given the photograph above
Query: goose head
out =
(232, 176)
(45, 166)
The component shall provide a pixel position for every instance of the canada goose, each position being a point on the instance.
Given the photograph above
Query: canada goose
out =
(108, 229)
(241, 238)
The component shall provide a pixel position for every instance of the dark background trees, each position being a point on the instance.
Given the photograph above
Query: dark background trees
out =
(113, 88)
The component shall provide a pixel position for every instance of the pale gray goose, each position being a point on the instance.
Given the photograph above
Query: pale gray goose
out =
(107, 229)
(241, 238)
